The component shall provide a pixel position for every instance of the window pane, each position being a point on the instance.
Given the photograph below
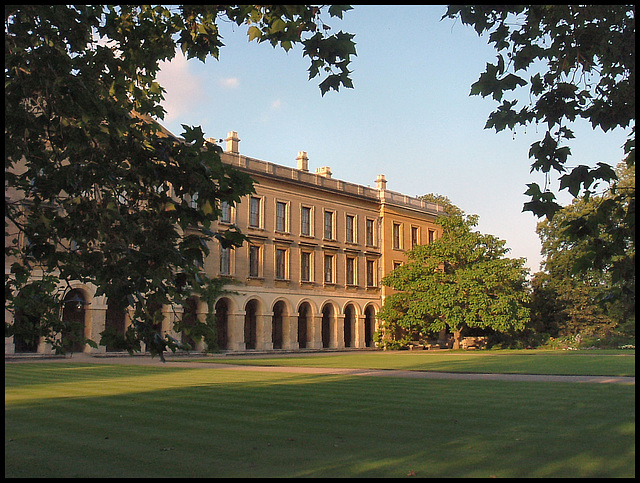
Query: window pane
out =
(351, 280)
(370, 273)
(306, 221)
(254, 261)
(225, 216)
(305, 266)
(193, 203)
(328, 225)
(396, 235)
(224, 261)
(369, 240)
(328, 268)
(254, 212)
(349, 228)
(281, 209)
(281, 264)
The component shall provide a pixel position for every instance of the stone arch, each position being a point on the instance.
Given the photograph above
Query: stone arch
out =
(282, 321)
(350, 321)
(26, 337)
(329, 322)
(310, 303)
(305, 321)
(369, 325)
(74, 320)
(222, 310)
(153, 308)
(277, 324)
(115, 321)
(252, 309)
(189, 320)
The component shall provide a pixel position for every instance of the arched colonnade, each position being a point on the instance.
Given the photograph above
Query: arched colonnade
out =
(249, 323)
(254, 324)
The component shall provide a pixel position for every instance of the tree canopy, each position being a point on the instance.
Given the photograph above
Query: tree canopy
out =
(586, 296)
(98, 191)
(571, 62)
(460, 281)
(443, 201)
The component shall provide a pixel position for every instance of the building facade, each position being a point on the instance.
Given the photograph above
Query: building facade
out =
(309, 276)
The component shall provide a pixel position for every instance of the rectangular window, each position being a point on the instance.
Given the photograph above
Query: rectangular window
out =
(225, 261)
(281, 263)
(305, 221)
(281, 216)
(371, 281)
(328, 225)
(349, 229)
(432, 236)
(225, 215)
(254, 261)
(351, 271)
(254, 212)
(328, 268)
(305, 266)
(397, 231)
(370, 234)
(193, 201)
(415, 236)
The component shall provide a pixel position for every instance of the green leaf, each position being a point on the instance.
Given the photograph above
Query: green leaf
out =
(338, 10)
(542, 208)
(277, 26)
(573, 180)
(254, 33)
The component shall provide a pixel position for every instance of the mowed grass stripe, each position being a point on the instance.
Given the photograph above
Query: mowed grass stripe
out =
(213, 423)
(621, 363)
(87, 380)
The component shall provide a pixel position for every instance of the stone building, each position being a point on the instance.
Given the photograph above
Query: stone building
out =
(309, 277)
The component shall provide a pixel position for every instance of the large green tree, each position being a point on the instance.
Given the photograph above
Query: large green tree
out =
(462, 280)
(573, 292)
(97, 190)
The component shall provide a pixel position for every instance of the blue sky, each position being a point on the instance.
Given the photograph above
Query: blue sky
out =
(409, 116)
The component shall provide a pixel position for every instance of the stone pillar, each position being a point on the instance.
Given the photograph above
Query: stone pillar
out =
(358, 335)
(290, 332)
(9, 345)
(176, 313)
(94, 323)
(336, 339)
(46, 347)
(201, 315)
(166, 320)
(263, 332)
(235, 331)
(314, 331)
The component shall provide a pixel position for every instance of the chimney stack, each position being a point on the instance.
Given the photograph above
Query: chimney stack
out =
(324, 171)
(232, 142)
(303, 161)
(381, 182)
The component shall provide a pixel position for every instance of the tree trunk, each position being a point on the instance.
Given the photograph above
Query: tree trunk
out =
(456, 338)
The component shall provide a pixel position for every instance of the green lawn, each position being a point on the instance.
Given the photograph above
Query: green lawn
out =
(91, 420)
(595, 363)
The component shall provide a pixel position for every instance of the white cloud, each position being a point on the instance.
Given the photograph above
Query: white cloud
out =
(230, 83)
(276, 104)
(184, 90)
